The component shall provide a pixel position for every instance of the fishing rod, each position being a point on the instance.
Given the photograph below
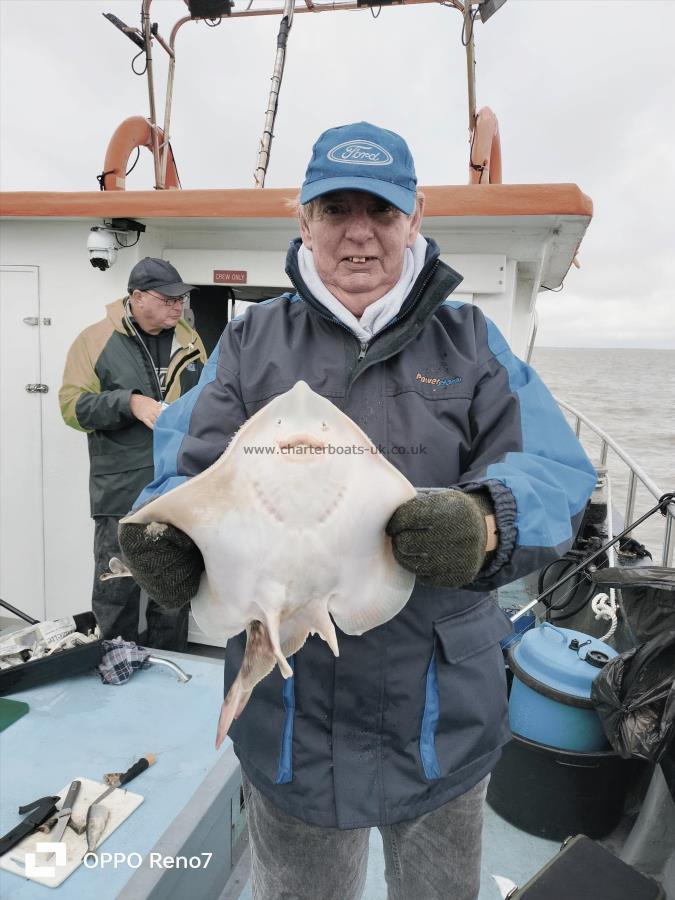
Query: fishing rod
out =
(664, 501)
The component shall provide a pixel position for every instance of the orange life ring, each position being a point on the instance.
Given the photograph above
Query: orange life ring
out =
(485, 165)
(133, 132)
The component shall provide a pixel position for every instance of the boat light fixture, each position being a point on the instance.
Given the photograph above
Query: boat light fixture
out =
(209, 9)
(132, 33)
(487, 8)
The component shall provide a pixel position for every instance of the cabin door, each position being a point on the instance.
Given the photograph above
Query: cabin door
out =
(22, 581)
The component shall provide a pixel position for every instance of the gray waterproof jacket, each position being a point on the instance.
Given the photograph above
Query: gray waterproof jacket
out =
(412, 713)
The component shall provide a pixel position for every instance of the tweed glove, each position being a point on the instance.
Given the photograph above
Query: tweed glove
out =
(165, 561)
(441, 536)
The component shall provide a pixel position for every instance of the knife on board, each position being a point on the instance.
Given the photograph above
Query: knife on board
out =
(118, 780)
(63, 815)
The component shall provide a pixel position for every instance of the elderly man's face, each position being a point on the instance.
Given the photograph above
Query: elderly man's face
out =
(359, 242)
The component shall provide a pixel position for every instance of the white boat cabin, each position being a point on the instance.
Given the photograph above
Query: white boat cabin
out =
(509, 242)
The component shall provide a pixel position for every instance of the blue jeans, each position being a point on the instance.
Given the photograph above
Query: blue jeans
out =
(433, 857)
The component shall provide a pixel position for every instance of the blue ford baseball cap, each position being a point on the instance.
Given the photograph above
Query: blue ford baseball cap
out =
(362, 157)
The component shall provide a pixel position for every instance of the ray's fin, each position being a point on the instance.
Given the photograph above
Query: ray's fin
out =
(374, 610)
(326, 630)
(272, 622)
(295, 641)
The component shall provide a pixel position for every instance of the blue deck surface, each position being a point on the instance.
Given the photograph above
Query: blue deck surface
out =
(81, 727)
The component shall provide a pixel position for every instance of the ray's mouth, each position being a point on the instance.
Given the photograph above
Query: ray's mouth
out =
(296, 443)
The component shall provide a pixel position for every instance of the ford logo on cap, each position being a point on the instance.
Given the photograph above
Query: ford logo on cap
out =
(362, 157)
(360, 153)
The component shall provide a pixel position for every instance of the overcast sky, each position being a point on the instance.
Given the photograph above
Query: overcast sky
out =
(584, 91)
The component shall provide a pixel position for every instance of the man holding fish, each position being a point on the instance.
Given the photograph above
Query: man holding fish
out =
(401, 731)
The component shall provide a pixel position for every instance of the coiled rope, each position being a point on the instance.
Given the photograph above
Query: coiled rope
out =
(604, 607)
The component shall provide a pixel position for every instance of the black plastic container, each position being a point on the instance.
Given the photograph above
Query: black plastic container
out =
(554, 793)
(60, 665)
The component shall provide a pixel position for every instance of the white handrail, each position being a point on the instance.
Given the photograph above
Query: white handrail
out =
(636, 472)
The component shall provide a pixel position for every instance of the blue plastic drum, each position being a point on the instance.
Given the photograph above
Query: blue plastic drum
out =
(553, 671)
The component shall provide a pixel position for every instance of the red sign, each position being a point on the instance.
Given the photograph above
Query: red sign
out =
(230, 276)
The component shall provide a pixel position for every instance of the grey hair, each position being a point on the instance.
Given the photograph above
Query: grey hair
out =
(311, 209)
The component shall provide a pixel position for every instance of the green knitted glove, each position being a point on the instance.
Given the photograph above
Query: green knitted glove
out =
(441, 536)
(164, 561)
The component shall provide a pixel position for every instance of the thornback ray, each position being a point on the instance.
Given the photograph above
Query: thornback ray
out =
(291, 523)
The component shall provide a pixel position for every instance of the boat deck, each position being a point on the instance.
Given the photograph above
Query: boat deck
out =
(81, 727)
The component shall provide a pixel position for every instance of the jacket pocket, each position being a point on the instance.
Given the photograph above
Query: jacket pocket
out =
(119, 463)
(465, 702)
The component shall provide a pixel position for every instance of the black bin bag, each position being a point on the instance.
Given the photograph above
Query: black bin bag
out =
(634, 695)
(647, 597)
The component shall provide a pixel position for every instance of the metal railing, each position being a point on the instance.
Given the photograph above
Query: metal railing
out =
(635, 474)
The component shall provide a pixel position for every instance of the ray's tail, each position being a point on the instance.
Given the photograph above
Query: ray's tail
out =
(232, 708)
(259, 660)
(265, 648)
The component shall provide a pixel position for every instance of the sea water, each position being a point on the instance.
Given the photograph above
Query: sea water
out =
(630, 395)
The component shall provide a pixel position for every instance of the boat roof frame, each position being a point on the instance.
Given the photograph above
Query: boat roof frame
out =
(440, 200)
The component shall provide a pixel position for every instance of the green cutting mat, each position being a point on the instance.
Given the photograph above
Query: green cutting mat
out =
(10, 711)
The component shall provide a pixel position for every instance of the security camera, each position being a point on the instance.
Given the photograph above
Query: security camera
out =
(105, 240)
(102, 248)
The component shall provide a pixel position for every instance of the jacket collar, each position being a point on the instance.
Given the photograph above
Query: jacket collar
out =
(119, 313)
(445, 278)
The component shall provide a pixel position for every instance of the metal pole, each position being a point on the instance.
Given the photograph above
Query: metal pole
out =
(668, 539)
(147, 35)
(630, 499)
(535, 325)
(277, 75)
(171, 50)
(327, 7)
(470, 64)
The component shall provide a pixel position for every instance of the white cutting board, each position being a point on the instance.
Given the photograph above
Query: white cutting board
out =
(121, 804)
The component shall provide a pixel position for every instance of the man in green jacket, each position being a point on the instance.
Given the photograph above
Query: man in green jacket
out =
(119, 374)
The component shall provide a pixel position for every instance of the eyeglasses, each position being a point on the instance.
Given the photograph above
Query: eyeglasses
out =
(170, 301)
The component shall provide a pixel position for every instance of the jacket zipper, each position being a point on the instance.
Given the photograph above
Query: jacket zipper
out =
(179, 368)
(147, 353)
(364, 346)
